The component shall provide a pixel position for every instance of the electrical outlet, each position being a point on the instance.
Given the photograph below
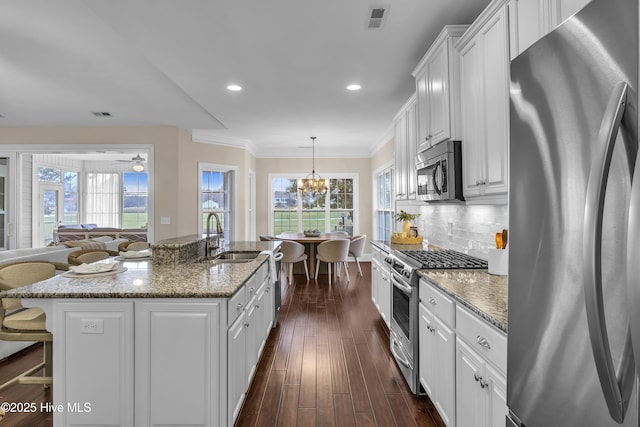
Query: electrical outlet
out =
(450, 228)
(92, 326)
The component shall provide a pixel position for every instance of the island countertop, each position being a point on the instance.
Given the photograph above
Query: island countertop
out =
(146, 279)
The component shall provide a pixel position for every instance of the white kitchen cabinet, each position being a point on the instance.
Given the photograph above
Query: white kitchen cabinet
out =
(481, 362)
(185, 334)
(563, 9)
(437, 90)
(480, 390)
(405, 151)
(484, 56)
(527, 24)
(380, 284)
(237, 366)
(437, 363)
(530, 20)
(436, 366)
(94, 345)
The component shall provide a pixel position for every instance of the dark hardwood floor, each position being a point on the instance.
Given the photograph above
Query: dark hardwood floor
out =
(327, 363)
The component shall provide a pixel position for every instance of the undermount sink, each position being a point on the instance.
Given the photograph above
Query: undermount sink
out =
(233, 257)
(238, 256)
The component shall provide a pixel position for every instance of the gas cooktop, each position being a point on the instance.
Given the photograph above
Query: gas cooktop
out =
(443, 259)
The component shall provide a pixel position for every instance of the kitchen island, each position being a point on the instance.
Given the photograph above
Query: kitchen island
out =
(161, 343)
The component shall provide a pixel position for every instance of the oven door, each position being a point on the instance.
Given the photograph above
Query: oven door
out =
(432, 179)
(403, 332)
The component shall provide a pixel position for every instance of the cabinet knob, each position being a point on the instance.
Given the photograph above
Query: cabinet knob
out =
(483, 342)
(246, 325)
(432, 301)
(251, 290)
(239, 306)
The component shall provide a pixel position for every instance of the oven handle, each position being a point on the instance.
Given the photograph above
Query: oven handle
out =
(397, 356)
(404, 288)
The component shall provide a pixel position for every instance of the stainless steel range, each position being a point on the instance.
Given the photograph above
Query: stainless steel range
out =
(404, 266)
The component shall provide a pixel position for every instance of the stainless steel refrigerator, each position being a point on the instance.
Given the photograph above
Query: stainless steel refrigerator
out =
(572, 279)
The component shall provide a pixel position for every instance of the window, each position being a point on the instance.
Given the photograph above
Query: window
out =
(71, 199)
(292, 211)
(284, 205)
(135, 213)
(216, 193)
(384, 204)
(102, 200)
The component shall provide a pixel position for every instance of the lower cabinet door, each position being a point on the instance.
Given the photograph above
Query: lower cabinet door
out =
(237, 367)
(444, 371)
(497, 406)
(93, 363)
(470, 392)
(427, 353)
(177, 357)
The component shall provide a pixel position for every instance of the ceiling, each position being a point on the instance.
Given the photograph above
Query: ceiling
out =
(168, 62)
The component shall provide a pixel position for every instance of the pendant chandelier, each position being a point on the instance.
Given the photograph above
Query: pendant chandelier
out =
(313, 183)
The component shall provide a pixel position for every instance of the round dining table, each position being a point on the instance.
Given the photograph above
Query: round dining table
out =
(312, 241)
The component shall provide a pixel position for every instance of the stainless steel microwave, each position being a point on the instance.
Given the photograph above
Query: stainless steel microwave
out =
(439, 171)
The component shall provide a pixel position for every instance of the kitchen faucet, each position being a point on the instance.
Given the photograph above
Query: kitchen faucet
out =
(208, 246)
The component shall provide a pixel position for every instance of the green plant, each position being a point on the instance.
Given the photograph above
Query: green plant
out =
(405, 216)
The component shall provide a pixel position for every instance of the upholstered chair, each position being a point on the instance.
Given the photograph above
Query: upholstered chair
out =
(356, 246)
(293, 252)
(137, 246)
(18, 323)
(265, 238)
(333, 252)
(87, 256)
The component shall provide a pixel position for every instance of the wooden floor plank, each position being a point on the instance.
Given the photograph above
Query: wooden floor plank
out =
(268, 414)
(324, 400)
(345, 416)
(308, 377)
(288, 412)
(307, 417)
(359, 392)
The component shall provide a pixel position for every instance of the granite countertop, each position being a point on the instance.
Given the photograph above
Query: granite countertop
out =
(479, 291)
(145, 279)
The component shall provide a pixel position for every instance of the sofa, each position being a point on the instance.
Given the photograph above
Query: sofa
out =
(66, 233)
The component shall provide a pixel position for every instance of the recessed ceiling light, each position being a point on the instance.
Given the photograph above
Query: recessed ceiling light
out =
(234, 88)
(354, 87)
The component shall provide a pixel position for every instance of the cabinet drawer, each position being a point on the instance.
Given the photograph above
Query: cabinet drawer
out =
(236, 304)
(483, 338)
(438, 303)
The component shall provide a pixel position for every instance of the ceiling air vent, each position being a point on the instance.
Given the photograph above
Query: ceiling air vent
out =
(101, 113)
(377, 17)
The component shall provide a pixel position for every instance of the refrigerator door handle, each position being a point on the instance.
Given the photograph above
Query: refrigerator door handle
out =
(616, 384)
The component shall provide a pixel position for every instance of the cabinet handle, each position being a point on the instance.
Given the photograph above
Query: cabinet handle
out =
(239, 306)
(251, 290)
(432, 301)
(483, 342)
(431, 329)
(477, 377)
(483, 383)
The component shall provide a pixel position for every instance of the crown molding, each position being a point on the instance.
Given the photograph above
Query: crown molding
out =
(206, 137)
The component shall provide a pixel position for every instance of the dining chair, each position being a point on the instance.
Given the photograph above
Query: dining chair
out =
(87, 256)
(356, 246)
(338, 233)
(266, 238)
(18, 323)
(293, 252)
(333, 252)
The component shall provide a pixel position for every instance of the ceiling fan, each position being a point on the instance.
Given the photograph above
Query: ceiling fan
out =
(138, 166)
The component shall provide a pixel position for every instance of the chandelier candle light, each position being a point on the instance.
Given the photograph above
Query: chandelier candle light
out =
(313, 183)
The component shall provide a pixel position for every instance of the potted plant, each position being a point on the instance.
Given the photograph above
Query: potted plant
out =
(406, 219)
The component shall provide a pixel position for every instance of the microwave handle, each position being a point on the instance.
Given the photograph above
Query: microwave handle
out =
(433, 175)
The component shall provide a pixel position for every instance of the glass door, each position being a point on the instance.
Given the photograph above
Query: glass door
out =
(51, 199)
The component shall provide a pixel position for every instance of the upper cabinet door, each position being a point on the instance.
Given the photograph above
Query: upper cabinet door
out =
(530, 20)
(527, 24)
(437, 81)
(438, 95)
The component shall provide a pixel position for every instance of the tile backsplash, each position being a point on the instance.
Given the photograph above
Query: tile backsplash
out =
(466, 228)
